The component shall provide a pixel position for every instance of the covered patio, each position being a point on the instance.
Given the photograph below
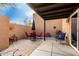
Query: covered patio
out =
(52, 11)
(47, 19)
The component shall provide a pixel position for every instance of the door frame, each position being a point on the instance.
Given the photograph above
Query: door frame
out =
(70, 17)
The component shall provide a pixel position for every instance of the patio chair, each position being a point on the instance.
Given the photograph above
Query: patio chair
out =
(27, 34)
(33, 36)
(60, 36)
(39, 34)
(48, 35)
(13, 38)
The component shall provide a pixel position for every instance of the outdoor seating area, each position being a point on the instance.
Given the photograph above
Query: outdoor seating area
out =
(30, 35)
(37, 34)
(39, 30)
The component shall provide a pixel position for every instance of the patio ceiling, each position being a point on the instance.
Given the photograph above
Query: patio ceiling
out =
(50, 11)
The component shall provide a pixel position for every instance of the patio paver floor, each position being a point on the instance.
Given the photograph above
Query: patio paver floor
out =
(50, 47)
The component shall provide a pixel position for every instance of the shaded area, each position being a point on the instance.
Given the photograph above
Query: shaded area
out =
(51, 47)
(54, 10)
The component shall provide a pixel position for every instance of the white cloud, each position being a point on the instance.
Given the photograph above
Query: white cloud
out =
(30, 13)
(17, 22)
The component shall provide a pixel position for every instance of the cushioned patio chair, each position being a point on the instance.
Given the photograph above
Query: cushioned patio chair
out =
(27, 34)
(39, 34)
(13, 38)
(33, 36)
(60, 36)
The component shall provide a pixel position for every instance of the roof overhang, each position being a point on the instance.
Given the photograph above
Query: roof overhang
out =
(50, 11)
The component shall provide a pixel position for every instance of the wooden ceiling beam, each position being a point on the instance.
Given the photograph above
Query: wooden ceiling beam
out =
(55, 7)
(43, 4)
(56, 17)
(57, 11)
(58, 14)
(48, 7)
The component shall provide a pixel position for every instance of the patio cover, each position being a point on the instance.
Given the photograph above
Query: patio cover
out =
(50, 11)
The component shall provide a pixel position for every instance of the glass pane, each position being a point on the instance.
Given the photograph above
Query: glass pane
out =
(74, 30)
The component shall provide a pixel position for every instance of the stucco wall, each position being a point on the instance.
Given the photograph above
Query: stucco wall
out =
(4, 32)
(19, 30)
(61, 24)
(50, 24)
(39, 23)
(66, 27)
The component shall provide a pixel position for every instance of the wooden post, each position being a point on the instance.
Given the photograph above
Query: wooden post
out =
(44, 29)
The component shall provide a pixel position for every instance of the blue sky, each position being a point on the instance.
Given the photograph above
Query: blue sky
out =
(17, 13)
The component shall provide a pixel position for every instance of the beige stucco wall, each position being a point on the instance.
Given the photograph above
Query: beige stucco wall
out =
(19, 30)
(66, 27)
(39, 23)
(50, 26)
(4, 32)
(61, 24)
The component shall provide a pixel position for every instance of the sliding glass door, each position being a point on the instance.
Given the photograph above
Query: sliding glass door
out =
(74, 30)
